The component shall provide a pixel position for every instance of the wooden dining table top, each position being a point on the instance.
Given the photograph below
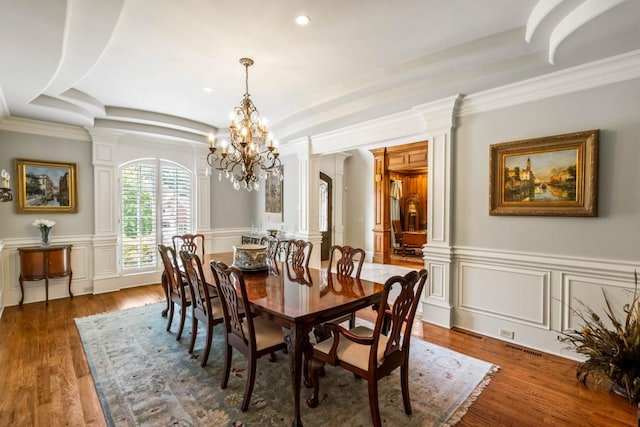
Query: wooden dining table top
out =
(298, 294)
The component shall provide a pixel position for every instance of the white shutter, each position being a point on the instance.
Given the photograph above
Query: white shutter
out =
(176, 202)
(149, 198)
(138, 224)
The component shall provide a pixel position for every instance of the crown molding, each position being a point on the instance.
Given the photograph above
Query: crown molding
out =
(37, 127)
(593, 74)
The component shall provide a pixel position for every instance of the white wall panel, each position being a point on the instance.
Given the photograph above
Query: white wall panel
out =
(583, 291)
(517, 294)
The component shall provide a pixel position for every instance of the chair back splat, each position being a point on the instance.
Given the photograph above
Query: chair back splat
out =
(192, 243)
(346, 260)
(298, 252)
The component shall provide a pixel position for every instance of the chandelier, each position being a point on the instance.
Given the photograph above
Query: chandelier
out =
(251, 153)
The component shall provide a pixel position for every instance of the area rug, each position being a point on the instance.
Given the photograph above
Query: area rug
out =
(144, 377)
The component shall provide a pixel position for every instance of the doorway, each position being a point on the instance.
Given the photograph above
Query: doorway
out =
(405, 165)
(326, 208)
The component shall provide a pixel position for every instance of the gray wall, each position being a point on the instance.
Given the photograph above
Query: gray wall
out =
(35, 147)
(359, 200)
(231, 208)
(615, 110)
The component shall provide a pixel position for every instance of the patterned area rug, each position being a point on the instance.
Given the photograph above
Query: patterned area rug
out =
(144, 377)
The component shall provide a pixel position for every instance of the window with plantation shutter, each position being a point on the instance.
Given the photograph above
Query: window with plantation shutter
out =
(156, 205)
(176, 202)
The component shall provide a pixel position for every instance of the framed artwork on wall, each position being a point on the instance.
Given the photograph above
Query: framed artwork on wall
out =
(553, 175)
(273, 196)
(45, 186)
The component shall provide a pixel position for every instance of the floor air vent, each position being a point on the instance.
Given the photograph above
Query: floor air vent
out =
(524, 350)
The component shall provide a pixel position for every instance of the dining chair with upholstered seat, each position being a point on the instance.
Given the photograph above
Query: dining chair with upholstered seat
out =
(192, 243)
(368, 353)
(177, 292)
(346, 261)
(298, 252)
(206, 305)
(253, 337)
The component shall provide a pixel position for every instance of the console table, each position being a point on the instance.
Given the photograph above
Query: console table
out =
(44, 262)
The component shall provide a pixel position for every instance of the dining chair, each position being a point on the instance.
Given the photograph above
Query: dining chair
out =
(206, 305)
(298, 252)
(346, 261)
(368, 353)
(252, 336)
(273, 249)
(192, 243)
(177, 291)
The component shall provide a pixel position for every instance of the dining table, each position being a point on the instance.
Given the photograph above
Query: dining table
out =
(299, 299)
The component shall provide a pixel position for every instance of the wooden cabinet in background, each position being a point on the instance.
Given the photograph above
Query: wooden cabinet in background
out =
(44, 263)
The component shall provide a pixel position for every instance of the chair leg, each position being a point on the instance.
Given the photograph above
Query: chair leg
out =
(227, 364)
(404, 381)
(273, 357)
(183, 318)
(207, 349)
(315, 366)
(373, 403)
(194, 333)
(248, 386)
(170, 315)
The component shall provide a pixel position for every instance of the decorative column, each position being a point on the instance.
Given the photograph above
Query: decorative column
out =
(308, 203)
(437, 302)
(105, 239)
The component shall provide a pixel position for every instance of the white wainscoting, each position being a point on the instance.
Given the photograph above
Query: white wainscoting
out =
(532, 296)
(94, 265)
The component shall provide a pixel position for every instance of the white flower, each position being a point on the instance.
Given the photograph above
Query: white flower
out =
(40, 223)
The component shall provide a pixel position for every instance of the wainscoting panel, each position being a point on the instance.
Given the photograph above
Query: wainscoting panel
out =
(519, 295)
(528, 298)
(436, 282)
(580, 292)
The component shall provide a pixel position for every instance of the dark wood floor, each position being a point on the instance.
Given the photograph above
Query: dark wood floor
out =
(47, 380)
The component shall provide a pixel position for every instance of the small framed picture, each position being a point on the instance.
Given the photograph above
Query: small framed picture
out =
(45, 186)
(554, 175)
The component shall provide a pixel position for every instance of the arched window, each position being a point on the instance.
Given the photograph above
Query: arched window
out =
(156, 199)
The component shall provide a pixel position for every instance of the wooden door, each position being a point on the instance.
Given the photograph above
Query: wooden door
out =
(326, 208)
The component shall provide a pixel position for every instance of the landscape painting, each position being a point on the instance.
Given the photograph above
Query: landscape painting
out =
(45, 186)
(554, 175)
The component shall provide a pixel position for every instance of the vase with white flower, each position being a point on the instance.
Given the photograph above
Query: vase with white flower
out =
(45, 230)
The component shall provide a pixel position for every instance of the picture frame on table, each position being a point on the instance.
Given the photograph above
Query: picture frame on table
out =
(549, 176)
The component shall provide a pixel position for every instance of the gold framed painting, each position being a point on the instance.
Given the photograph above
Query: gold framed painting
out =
(45, 186)
(554, 175)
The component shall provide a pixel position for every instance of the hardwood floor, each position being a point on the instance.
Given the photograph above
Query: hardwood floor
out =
(48, 382)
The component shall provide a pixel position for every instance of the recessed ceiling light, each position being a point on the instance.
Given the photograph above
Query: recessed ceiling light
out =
(207, 89)
(302, 20)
